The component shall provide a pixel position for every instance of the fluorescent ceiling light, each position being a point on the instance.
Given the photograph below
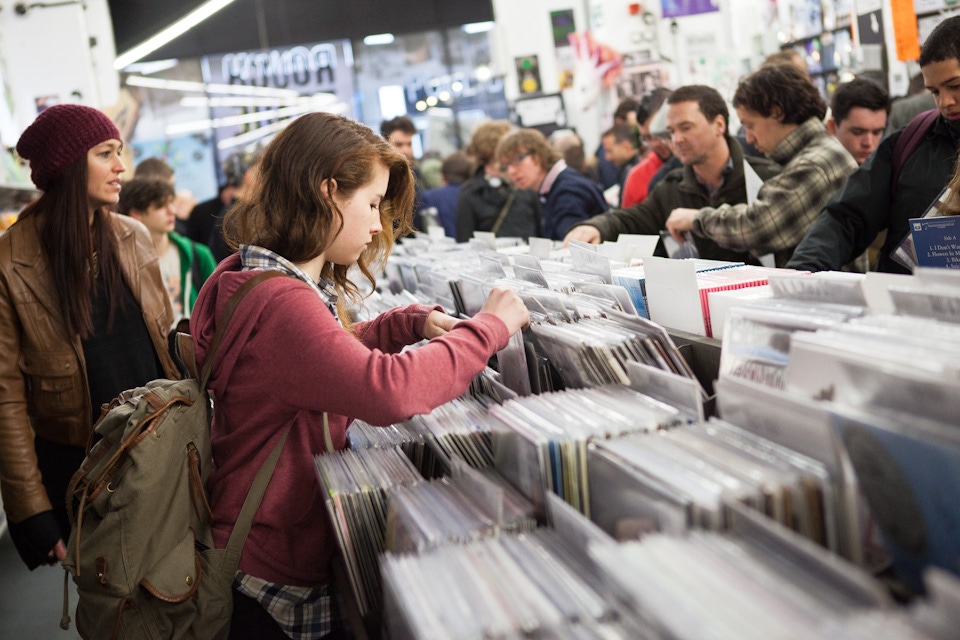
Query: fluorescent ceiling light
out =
(239, 101)
(202, 101)
(477, 27)
(201, 87)
(380, 38)
(147, 68)
(243, 118)
(250, 136)
(175, 30)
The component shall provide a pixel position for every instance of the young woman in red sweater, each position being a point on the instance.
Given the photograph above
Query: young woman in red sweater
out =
(329, 193)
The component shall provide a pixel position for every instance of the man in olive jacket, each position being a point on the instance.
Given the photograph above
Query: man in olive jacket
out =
(712, 174)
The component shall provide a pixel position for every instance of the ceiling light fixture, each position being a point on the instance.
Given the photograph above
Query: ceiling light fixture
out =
(239, 101)
(250, 136)
(201, 87)
(244, 118)
(148, 68)
(380, 38)
(477, 27)
(175, 30)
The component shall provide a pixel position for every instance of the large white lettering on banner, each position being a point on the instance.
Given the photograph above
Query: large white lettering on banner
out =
(308, 67)
(320, 74)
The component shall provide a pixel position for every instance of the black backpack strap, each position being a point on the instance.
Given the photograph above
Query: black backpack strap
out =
(910, 138)
(224, 322)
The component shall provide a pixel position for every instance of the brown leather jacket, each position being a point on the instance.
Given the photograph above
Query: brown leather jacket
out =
(43, 379)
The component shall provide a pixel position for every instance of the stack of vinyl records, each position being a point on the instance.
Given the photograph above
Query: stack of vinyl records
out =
(705, 586)
(882, 361)
(454, 510)
(365, 436)
(355, 485)
(596, 351)
(459, 429)
(686, 478)
(541, 441)
(757, 336)
(508, 587)
(759, 585)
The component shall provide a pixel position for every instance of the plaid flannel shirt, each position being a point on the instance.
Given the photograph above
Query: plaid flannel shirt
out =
(303, 613)
(815, 166)
(253, 258)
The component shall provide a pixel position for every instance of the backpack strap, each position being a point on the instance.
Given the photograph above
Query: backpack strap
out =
(241, 528)
(186, 354)
(910, 138)
(503, 212)
(224, 322)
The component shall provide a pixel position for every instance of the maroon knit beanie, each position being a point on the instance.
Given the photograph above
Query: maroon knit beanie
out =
(60, 136)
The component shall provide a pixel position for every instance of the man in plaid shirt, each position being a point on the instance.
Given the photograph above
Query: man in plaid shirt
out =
(782, 113)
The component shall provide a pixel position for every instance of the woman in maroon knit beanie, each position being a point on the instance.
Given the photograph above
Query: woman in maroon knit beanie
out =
(83, 316)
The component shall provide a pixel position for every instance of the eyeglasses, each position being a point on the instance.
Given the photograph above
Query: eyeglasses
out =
(515, 162)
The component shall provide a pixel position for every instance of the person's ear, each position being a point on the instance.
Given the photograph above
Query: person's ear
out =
(832, 127)
(328, 187)
(136, 214)
(777, 114)
(720, 124)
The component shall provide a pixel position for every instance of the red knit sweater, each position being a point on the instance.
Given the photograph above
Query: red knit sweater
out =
(284, 362)
(635, 186)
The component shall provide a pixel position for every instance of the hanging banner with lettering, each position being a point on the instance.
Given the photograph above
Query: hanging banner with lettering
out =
(310, 69)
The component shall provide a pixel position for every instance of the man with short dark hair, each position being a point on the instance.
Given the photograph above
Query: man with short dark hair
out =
(713, 173)
(607, 172)
(637, 185)
(782, 113)
(399, 133)
(879, 197)
(858, 116)
(620, 147)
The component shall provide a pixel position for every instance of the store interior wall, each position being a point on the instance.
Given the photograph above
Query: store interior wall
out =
(47, 53)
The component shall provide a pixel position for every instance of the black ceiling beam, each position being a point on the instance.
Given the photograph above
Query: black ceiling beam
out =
(286, 22)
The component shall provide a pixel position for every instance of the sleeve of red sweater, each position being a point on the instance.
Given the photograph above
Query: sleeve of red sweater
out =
(316, 365)
(396, 328)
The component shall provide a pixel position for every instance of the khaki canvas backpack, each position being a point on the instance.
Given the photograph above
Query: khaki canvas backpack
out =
(140, 550)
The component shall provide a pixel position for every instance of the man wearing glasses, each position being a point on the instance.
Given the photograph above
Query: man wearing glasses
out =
(566, 197)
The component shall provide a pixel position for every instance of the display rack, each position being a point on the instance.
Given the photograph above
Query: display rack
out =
(826, 54)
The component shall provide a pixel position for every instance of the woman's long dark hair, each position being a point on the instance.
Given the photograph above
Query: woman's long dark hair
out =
(76, 250)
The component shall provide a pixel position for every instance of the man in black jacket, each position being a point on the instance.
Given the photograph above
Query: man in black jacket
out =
(870, 202)
(713, 174)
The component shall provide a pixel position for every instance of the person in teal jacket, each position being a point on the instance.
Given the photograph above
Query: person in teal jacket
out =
(184, 264)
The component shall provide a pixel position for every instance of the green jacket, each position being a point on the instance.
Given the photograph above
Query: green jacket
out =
(680, 189)
(191, 251)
